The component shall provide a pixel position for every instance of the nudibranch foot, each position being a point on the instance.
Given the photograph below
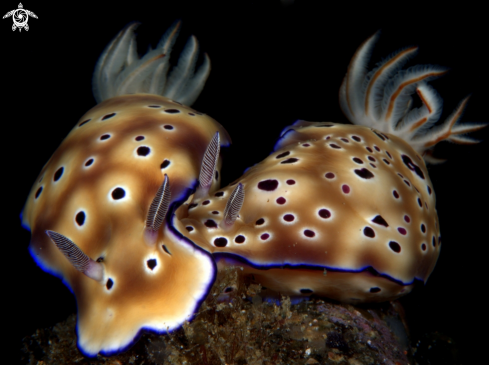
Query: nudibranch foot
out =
(120, 71)
(382, 99)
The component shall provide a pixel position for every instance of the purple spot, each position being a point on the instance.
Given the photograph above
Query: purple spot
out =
(290, 182)
(210, 223)
(260, 221)
(107, 116)
(345, 140)
(165, 164)
(369, 232)
(377, 148)
(407, 219)
(324, 213)
(139, 138)
(38, 192)
(281, 200)
(264, 236)
(143, 151)
(220, 242)
(268, 185)
(329, 175)
(371, 158)
(357, 160)
(309, 233)
(289, 217)
(364, 173)
(371, 164)
(369, 149)
(378, 134)
(378, 219)
(356, 138)
(283, 154)
(239, 239)
(402, 230)
(306, 145)
(423, 246)
(290, 160)
(345, 189)
(396, 247)
(396, 194)
(400, 175)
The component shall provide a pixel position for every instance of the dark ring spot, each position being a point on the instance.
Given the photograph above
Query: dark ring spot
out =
(290, 160)
(210, 223)
(395, 246)
(118, 193)
(364, 173)
(172, 111)
(80, 218)
(239, 239)
(89, 162)
(369, 232)
(268, 185)
(139, 138)
(220, 242)
(306, 291)
(260, 221)
(165, 164)
(107, 116)
(309, 233)
(109, 284)
(38, 192)
(380, 220)
(289, 217)
(143, 151)
(84, 122)
(151, 263)
(324, 213)
(168, 127)
(58, 174)
(290, 182)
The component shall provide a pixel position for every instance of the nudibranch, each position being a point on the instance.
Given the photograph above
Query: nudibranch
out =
(342, 211)
(98, 210)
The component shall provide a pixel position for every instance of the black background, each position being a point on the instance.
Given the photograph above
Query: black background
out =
(271, 65)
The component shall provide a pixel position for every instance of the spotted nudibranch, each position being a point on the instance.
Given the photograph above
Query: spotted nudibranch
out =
(342, 211)
(97, 210)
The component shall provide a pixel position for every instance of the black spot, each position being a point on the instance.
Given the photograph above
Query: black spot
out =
(306, 291)
(165, 164)
(412, 166)
(379, 220)
(364, 173)
(80, 218)
(377, 148)
(192, 206)
(356, 138)
(324, 213)
(168, 127)
(429, 189)
(333, 145)
(423, 246)
(260, 221)
(396, 194)
(109, 284)
(118, 193)
(229, 289)
(210, 223)
(143, 151)
(375, 290)
(388, 154)
(84, 122)
(239, 239)
(395, 246)
(419, 203)
(371, 158)
(378, 134)
(386, 162)
(104, 137)
(283, 154)
(369, 232)
(215, 212)
(58, 173)
(407, 183)
(345, 140)
(100, 259)
(166, 249)
(139, 138)
(38, 192)
(151, 263)
(423, 228)
(306, 145)
(220, 193)
(433, 241)
(329, 175)
(290, 182)
(220, 242)
(189, 228)
(369, 149)
(324, 125)
(191, 114)
(290, 160)
(206, 202)
(268, 185)
(371, 164)
(335, 340)
(108, 116)
(154, 106)
(89, 162)
(289, 217)
(309, 233)
(216, 175)
(172, 111)
(357, 160)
